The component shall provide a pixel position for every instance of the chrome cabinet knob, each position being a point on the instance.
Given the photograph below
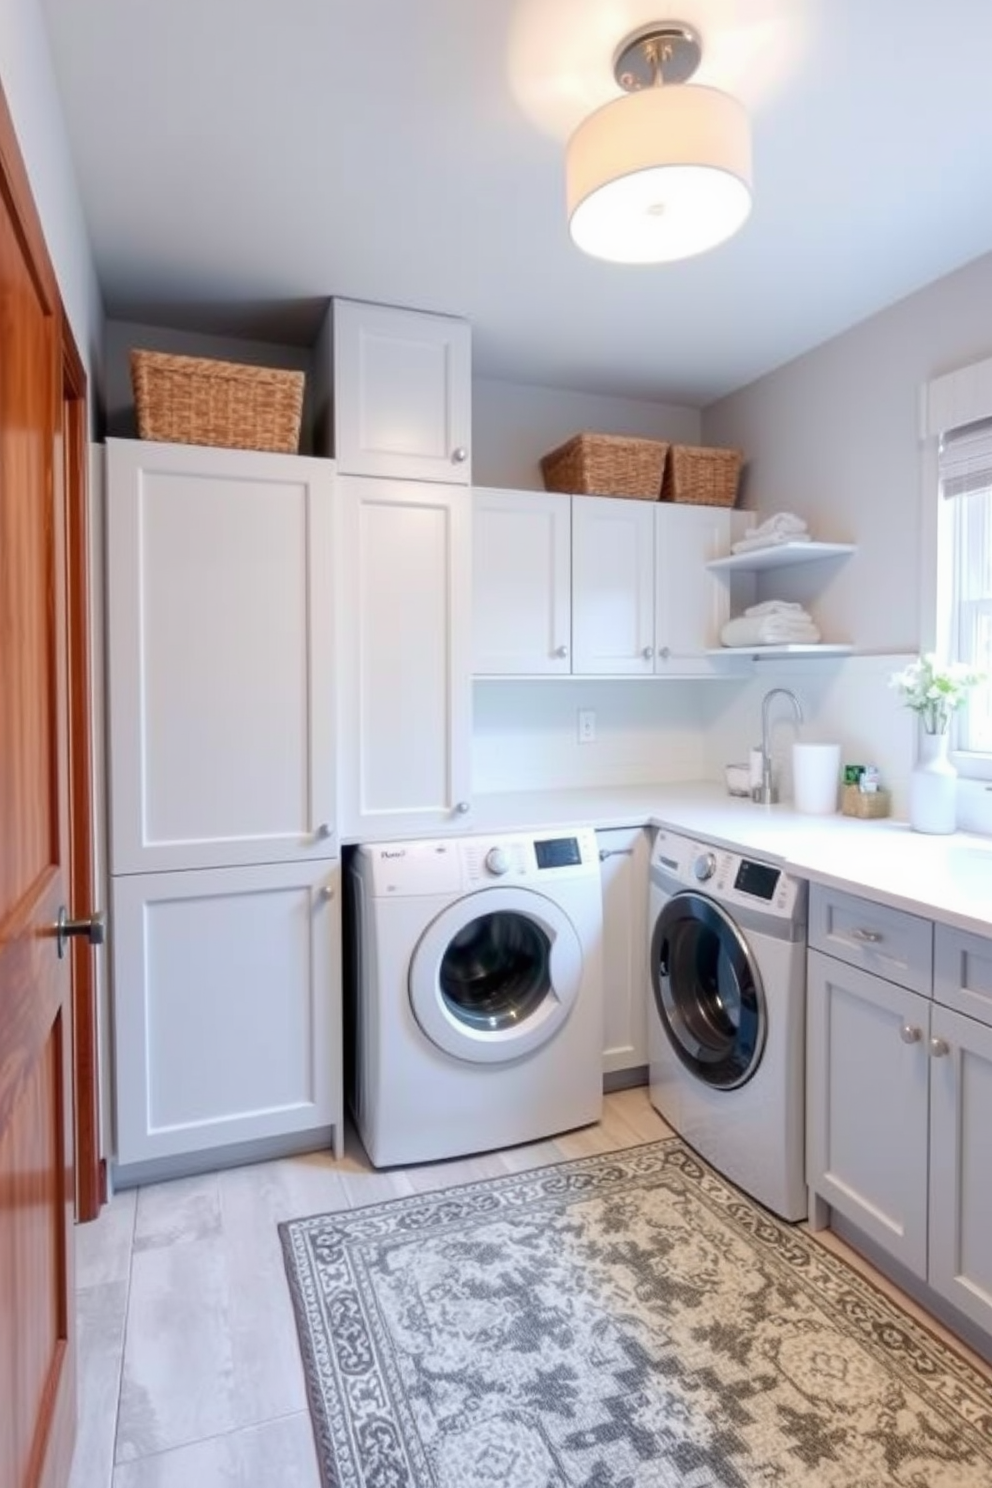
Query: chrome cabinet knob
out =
(647, 652)
(462, 807)
(664, 652)
(561, 651)
(459, 455)
(938, 1048)
(323, 830)
(909, 1034)
(327, 892)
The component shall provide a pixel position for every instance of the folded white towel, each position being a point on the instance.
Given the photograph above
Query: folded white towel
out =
(777, 607)
(773, 540)
(784, 523)
(769, 630)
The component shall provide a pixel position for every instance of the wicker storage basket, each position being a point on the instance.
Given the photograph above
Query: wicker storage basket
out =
(862, 803)
(193, 400)
(606, 465)
(701, 477)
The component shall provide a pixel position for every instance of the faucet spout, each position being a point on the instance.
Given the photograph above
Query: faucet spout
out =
(766, 791)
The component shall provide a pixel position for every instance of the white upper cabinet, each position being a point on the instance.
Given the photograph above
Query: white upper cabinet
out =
(643, 601)
(402, 393)
(406, 693)
(691, 604)
(221, 676)
(521, 583)
(613, 586)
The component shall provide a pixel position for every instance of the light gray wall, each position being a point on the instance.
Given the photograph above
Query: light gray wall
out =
(514, 424)
(29, 86)
(834, 436)
(120, 336)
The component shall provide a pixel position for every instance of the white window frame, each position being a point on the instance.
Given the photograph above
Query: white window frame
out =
(947, 403)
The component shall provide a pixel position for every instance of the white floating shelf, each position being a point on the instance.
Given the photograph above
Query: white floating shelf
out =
(781, 555)
(760, 653)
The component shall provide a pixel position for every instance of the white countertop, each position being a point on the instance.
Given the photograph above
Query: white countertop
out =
(946, 878)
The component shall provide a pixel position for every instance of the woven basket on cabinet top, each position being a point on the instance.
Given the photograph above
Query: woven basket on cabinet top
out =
(195, 400)
(699, 476)
(606, 465)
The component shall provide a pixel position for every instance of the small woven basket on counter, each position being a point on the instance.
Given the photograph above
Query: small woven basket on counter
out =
(195, 400)
(699, 476)
(606, 465)
(866, 804)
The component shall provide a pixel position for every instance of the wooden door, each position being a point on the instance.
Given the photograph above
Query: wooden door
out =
(612, 586)
(37, 1367)
(867, 1097)
(521, 583)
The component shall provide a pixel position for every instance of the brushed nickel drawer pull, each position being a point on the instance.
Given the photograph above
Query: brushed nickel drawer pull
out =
(867, 937)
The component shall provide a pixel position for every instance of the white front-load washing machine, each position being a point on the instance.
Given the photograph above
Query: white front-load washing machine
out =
(477, 1017)
(727, 1014)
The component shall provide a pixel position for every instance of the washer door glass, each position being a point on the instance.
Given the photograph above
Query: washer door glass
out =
(707, 991)
(495, 975)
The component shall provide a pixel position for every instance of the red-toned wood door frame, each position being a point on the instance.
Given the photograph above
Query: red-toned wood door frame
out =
(37, 1281)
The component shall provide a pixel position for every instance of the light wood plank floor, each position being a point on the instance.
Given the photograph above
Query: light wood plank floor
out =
(189, 1367)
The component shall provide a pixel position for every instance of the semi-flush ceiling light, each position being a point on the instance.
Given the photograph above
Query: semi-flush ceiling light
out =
(665, 171)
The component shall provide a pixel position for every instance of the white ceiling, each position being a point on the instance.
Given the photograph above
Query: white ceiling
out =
(246, 154)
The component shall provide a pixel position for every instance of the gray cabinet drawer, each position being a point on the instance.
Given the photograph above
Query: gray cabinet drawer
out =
(887, 942)
(962, 972)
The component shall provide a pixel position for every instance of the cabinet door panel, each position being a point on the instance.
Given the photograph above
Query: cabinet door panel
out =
(962, 972)
(406, 676)
(691, 604)
(521, 583)
(624, 855)
(961, 1165)
(226, 991)
(221, 657)
(867, 1104)
(612, 586)
(402, 393)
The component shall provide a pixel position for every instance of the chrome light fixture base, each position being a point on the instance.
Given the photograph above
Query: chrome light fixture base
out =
(667, 53)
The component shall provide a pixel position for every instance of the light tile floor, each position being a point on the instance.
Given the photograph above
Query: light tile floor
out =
(189, 1368)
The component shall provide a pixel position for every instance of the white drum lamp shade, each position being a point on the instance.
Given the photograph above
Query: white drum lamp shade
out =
(659, 174)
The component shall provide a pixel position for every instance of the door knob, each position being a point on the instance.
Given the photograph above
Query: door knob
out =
(938, 1048)
(909, 1034)
(93, 929)
(459, 455)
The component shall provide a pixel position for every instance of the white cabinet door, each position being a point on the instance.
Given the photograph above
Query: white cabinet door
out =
(405, 746)
(691, 603)
(961, 1164)
(623, 853)
(521, 583)
(612, 586)
(402, 393)
(221, 673)
(227, 1007)
(867, 1104)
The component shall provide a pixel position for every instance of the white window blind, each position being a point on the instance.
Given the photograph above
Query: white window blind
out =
(965, 470)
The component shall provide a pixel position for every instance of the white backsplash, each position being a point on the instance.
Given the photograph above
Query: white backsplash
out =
(526, 735)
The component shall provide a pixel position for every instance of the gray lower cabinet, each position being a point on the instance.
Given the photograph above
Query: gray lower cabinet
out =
(899, 1090)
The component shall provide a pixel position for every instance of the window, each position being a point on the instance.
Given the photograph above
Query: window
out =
(965, 541)
(956, 536)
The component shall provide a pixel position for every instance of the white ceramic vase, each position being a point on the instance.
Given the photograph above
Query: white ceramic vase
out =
(933, 787)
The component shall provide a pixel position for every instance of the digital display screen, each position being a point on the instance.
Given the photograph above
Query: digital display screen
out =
(557, 852)
(757, 879)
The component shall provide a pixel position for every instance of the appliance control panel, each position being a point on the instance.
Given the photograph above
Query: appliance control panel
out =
(732, 878)
(450, 865)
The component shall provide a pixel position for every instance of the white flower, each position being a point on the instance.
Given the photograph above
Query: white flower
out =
(935, 691)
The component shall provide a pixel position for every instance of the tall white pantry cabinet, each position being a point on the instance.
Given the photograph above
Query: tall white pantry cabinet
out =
(223, 845)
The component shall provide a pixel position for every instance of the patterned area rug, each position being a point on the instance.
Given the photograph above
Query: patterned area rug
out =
(625, 1321)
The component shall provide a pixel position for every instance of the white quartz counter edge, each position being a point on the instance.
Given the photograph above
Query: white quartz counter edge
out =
(943, 878)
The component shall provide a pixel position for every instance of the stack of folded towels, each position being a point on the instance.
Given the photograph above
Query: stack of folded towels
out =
(777, 622)
(783, 527)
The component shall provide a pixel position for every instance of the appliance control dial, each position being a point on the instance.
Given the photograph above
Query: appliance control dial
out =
(704, 867)
(498, 861)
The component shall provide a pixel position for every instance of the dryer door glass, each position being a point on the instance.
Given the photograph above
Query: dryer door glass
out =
(495, 972)
(708, 991)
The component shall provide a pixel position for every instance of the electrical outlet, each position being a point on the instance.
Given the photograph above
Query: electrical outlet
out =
(587, 725)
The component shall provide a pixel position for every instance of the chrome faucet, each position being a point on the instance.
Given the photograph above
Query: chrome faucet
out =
(765, 793)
